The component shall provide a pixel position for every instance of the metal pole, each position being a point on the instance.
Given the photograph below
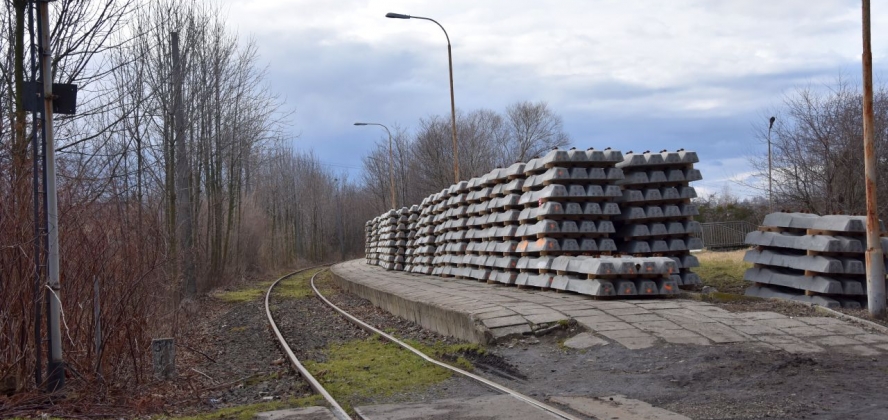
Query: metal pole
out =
(875, 265)
(391, 168)
(770, 178)
(452, 114)
(452, 101)
(38, 316)
(56, 363)
(391, 162)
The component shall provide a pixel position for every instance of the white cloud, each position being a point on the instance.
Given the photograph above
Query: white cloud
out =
(644, 71)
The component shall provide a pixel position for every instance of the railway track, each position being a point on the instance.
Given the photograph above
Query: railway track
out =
(335, 407)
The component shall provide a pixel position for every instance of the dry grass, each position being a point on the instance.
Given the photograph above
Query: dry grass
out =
(723, 270)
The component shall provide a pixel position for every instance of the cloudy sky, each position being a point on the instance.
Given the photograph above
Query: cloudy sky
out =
(633, 75)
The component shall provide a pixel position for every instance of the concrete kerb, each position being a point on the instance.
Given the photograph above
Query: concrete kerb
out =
(442, 320)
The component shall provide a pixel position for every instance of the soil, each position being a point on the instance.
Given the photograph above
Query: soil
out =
(708, 382)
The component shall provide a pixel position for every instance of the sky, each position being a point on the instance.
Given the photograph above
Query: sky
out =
(636, 75)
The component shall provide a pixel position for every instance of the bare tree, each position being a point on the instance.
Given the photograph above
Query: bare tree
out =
(817, 154)
(533, 129)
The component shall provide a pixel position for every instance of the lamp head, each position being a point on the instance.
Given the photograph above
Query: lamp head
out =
(397, 16)
(771, 122)
(360, 123)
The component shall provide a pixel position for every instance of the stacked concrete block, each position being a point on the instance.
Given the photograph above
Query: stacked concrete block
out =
(547, 223)
(370, 237)
(387, 240)
(423, 240)
(412, 227)
(809, 258)
(568, 201)
(657, 214)
(500, 223)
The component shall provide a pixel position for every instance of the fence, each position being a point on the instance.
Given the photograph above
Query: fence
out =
(725, 234)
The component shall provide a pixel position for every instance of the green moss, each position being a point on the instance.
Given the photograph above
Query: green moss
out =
(295, 287)
(361, 369)
(449, 353)
(238, 329)
(247, 412)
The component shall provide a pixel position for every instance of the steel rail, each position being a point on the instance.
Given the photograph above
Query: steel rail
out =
(489, 383)
(337, 410)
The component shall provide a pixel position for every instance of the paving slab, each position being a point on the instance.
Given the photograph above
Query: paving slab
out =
(589, 321)
(759, 329)
(305, 413)
(604, 326)
(498, 407)
(806, 331)
(835, 340)
(682, 337)
(861, 350)
(584, 341)
(782, 323)
(799, 348)
(718, 333)
(505, 321)
(617, 407)
(641, 318)
(657, 325)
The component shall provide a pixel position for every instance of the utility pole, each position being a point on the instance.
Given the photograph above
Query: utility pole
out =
(56, 365)
(875, 264)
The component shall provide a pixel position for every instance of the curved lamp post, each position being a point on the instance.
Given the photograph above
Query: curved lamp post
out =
(452, 102)
(770, 180)
(391, 161)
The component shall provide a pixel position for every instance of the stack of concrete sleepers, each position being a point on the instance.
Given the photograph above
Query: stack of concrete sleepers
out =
(499, 221)
(387, 242)
(566, 227)
(657, 214)
(412, 228)
(547, 223)
(401, 234)
(423, 240)
(809, 258)
(567, 202)
(370, 237)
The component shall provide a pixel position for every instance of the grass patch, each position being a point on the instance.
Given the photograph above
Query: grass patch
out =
(723, 270)
(296, 287)
(247, 412)
(362, 369)
(293, 287)
(449, 353)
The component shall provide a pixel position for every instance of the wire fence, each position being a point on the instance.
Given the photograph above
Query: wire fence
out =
(719, 235)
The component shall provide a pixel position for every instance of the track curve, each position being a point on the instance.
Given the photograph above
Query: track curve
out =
(338, 411)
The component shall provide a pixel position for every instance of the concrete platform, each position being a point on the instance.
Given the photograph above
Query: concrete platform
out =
(487, 313)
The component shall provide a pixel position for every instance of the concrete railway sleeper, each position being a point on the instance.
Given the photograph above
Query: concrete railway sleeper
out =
(335, 407)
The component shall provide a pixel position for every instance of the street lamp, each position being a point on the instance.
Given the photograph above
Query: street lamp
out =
(391, 161)
(452, 102)
(770, 180)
